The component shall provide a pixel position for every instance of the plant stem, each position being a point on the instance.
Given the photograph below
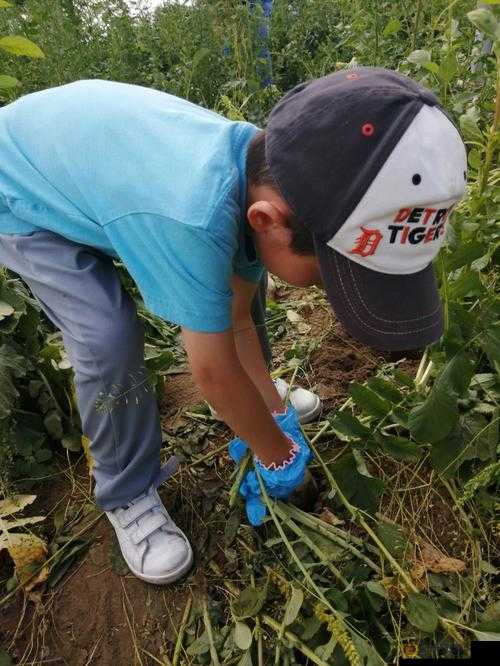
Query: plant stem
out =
(421, 367)
(356, 515)
(298, 644)
(233, 493)
(493, 138)
(207, 456)
(182, 628)
(416, 26)
(311, 545)
(208, 626)
(323, 529)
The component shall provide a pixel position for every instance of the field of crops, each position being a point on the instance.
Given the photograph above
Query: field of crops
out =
(393, 550)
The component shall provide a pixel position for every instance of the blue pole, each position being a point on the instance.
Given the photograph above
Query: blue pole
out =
(265, 68)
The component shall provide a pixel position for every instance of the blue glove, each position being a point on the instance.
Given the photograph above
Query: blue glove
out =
(279, 483)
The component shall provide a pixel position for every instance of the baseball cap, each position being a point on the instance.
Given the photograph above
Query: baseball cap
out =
(373, 166)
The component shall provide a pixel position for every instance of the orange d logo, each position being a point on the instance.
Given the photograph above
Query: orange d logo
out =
(367, 242)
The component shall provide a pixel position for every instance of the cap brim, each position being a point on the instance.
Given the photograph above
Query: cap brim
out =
(387, 312)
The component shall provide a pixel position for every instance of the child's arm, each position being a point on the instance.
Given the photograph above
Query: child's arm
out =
(247, 343)
(227, 387)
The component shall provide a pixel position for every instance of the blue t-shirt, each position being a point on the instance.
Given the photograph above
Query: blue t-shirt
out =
(141, 175)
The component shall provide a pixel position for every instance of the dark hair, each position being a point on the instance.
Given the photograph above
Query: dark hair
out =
(259, 173)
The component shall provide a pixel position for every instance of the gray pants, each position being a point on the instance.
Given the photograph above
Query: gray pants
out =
(79, 290)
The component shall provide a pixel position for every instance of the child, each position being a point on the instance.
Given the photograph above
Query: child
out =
(350, 186)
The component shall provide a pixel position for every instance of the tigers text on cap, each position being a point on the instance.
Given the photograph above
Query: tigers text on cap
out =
(371, 164)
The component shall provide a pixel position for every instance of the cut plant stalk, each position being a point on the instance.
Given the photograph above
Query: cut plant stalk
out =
(233, 493)
(310, 544)
(356, 516)
(323, 528)
(290, 636)
(297, 561)
(208, 626)
(182, 629)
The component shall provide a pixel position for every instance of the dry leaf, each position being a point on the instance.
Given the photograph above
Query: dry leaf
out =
(433, 560)
(293, 316)
(86, 442)
(395, 592)
(303, 328)
(28, 552)
(428, 558)
(271, 288)
(14, 504)
(410, 650)
(20, 522)
(328, 517)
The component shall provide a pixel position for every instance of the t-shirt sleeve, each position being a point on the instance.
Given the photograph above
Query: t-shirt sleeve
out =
(183, 272)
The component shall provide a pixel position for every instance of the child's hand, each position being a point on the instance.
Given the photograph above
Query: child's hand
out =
(280, 482)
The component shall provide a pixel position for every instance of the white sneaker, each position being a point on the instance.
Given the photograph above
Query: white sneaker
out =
(154, 548)
(306, 403)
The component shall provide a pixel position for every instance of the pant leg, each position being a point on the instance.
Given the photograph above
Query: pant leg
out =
(259, 319)
(80, 291)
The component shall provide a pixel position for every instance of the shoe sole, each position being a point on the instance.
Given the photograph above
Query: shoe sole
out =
(172, 577)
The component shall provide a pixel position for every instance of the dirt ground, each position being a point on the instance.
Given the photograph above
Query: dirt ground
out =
(99, 614)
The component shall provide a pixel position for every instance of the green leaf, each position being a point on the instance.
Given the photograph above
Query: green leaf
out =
(474, 158)
(421, 612)
(368, 400)
(470, 128)
(435, 418)
(385, 389)
(377, 588)
(293, 606)
(199, 646)
(11, 296)
(467, 284)
(72, 442)
(53, 425)
(391, 28)
(490, 342)
(248, 603)
(6, 310)
(448, 67)
(394, 539)
(310, 626)
(161, 361)
(5, 660)
(325, 651)
(8, 82)
(348, 426)
(419, 57)
(232, 526)
(246, 659)
(403, 378)
(21, 46)
(432, 67)
(400, 448)
(12, 366)
(199, 56)
(485, 20)
(4, 3)
(486, 635)
(466, 253)
(362, 491)
(447, 454)
(242, 635)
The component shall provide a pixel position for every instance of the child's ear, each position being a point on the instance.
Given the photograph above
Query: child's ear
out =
(264, 216)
